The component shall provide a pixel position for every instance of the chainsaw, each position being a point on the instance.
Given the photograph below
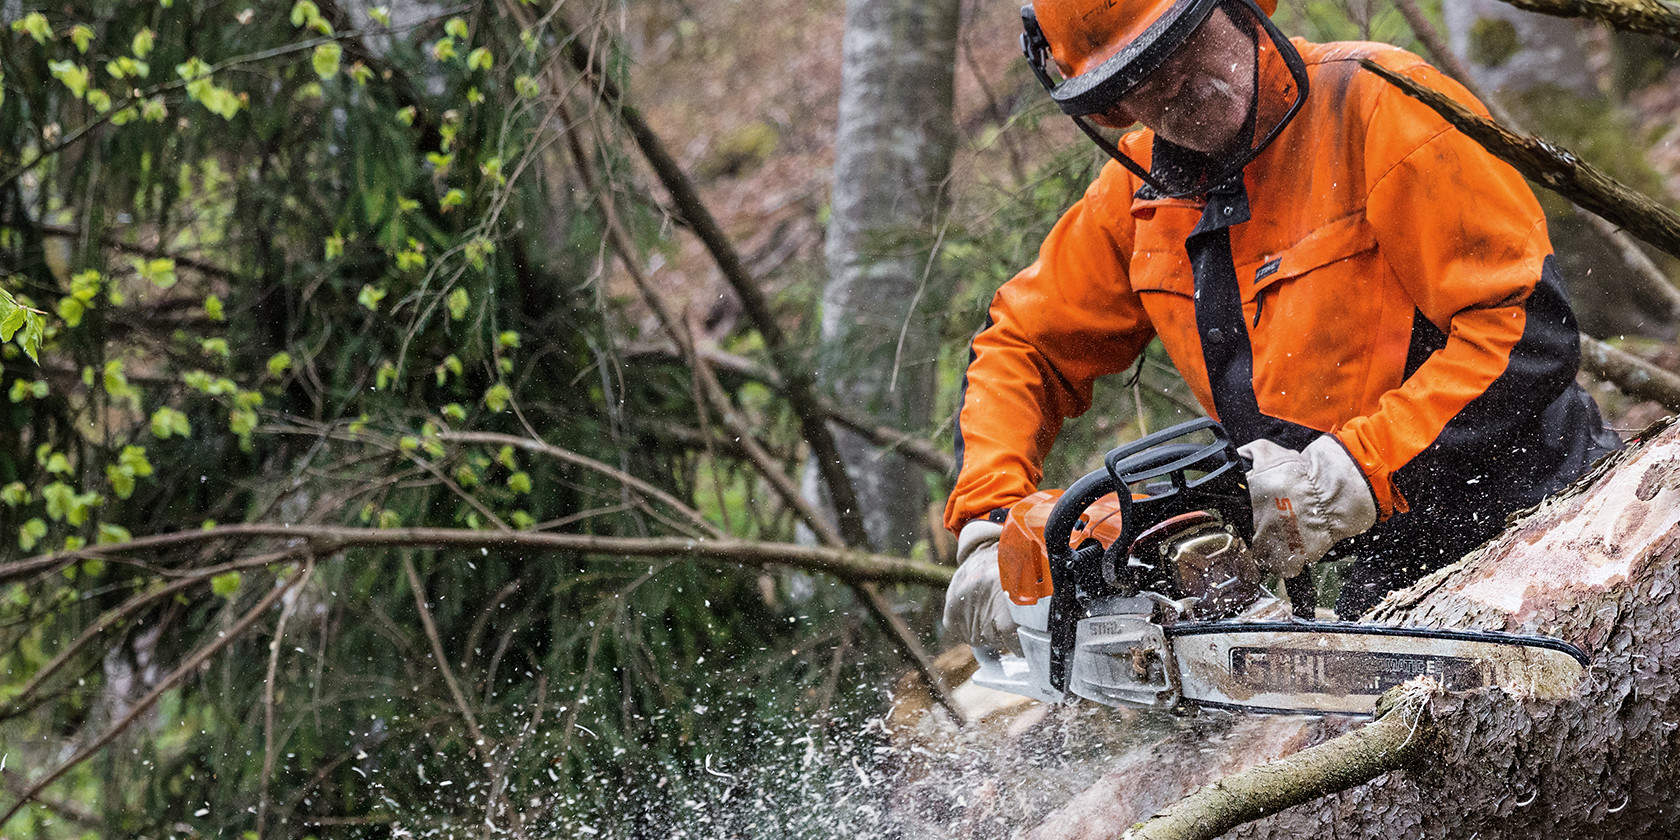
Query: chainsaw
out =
(1134, 587)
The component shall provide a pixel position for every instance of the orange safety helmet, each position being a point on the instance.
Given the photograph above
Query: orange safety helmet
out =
(1103, 49)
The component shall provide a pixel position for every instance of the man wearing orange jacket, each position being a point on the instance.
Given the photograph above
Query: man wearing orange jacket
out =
(1364, 298)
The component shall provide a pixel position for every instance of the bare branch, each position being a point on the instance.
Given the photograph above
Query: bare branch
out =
(1385, 744)
(430, 626)
(1652, 17)
(1557, 169)
(325, 539)
(1633, 375)
(570, 457)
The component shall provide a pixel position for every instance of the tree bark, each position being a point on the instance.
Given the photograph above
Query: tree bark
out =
(880, 306)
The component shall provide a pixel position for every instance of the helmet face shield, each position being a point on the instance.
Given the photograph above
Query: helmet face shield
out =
(1213, 79)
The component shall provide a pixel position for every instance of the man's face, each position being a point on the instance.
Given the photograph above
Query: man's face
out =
(1200, 98)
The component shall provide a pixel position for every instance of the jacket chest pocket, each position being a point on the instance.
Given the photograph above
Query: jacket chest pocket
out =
(1315, 312)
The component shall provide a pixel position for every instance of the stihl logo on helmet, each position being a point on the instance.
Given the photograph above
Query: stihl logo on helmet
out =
(1196, 72)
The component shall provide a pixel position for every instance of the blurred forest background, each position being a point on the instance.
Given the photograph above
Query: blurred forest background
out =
(428, 419)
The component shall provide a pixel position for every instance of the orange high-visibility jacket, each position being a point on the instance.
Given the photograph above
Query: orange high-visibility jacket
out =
(1376, 275)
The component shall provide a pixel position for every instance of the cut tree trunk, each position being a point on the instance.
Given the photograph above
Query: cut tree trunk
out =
(1597, 565)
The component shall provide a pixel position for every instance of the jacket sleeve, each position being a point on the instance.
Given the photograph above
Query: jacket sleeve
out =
(1053, 329)
(1466, 239)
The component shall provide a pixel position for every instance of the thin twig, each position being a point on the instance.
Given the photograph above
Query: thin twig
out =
(478, 742)
(268, 699)
(181, 672)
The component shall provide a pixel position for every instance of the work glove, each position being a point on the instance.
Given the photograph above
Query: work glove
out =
(976, 607)
(1305, 502)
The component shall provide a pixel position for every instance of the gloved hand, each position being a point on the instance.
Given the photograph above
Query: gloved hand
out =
(976, 607)
(1305, 502)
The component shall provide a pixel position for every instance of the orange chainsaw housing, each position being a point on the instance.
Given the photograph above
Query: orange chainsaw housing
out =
(1024, 561)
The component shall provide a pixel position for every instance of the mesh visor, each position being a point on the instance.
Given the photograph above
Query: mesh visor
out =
(1213, 79)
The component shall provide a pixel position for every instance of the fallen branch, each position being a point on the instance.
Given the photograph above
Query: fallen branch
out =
(1633, 375)
(1652, 17)
(325, 539)
(1559, 170)
(1387, 743)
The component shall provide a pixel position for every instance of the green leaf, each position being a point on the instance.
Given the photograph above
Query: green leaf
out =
(84, 285)
(109, 533)
(154, 110)
(526, 87)
(35, 26)
(121, 480)
(497, 396)
(466, 476)
(213, 308)
(133, 458)
(454, 413)
(360, 73)
(100, 100)
(279, 363)
(74, 76)
(443, 49)
(71, 311)
(242, 421)
(408, 443)
(389, 519)
(412, 260)
(334, 247)
(226, 584)
(60, 497)
(406, 115)
(143, 41)
(214, 347)
(31, 533)
(167, 422)
(381, 15)
(58, 464)
(504, 456)
(82, 36)
(15, 494)
(370, 298)
(522, 520)
(519, 482)
(386, 374)
(453, 198)
(480, 59)
(508, 338)
(160, 272)
(325, 60)
(453, 363)
(459, 301)
(455, 28)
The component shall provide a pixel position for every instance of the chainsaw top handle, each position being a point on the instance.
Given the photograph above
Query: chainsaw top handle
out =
(1138, 465)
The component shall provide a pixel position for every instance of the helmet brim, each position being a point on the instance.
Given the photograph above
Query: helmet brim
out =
(1099, 88)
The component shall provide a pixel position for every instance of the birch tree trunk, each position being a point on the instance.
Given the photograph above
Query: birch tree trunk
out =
(882, 304)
